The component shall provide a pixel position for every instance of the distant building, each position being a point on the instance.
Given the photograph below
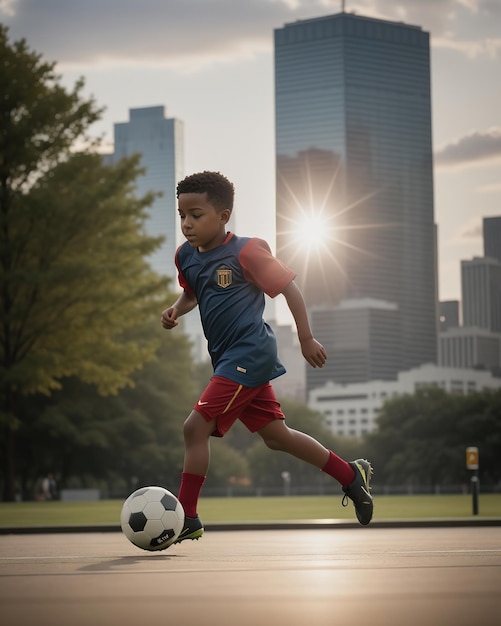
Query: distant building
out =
(352, 410)
(354, 153)
(492, 237)
(470, 347)
(360, 339)
(291, 385)
(481, 292)
(192, 326)
(159, 141)
(449, 314)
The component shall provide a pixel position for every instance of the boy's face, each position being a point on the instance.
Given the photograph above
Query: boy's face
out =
(202, 224)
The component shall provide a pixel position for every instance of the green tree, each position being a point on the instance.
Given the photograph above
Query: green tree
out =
(133, 438)
(74, 280)
(422, 438)
(227, 465)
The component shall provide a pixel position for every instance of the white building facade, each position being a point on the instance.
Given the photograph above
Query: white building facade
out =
(352, 410)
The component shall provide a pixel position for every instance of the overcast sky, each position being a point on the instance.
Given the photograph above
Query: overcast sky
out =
(210, 62)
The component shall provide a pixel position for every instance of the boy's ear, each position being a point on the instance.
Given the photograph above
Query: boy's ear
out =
(225, 216)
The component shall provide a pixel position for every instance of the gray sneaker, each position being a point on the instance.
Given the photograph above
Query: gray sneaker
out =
(359, 491)
(193, 529)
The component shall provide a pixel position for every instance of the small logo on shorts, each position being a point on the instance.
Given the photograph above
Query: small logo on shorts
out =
(202, 403)
(224, 277)
(241, 369)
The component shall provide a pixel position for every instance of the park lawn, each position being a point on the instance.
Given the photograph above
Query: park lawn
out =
(255, 509)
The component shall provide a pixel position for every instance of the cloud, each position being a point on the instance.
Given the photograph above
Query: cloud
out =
(158, 32)
(472, 231)
(7, 7)
(470, 149)
(446, 20)
(174, 32)
(488, 47)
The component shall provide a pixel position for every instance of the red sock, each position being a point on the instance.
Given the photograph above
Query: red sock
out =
(189, 492)
(339, 469)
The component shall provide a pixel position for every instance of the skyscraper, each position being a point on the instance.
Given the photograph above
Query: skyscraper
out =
(449, 314)
(359, 338)
(470, 347)
(354, 163)
(492, 237)
(481, 289)
(159, 141)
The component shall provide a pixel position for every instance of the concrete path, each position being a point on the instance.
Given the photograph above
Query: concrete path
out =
(318, 577)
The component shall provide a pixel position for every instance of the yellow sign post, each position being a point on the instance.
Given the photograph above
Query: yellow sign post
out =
(472, 458)
(472, 464)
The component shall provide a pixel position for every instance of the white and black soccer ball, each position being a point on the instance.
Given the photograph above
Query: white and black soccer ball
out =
(152, 518)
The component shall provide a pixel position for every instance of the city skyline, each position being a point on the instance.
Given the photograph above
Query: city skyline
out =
(211, 66)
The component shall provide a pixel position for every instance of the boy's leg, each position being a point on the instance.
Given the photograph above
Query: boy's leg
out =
(196, 433)
(354, 476)
(218, 407)
(278, 436)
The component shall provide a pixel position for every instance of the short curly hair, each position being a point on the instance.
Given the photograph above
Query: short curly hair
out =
(220, 191)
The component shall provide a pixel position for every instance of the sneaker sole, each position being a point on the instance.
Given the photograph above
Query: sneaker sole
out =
(194, 535)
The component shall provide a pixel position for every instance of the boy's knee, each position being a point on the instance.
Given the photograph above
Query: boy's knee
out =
(275, 436)
(195, 427)
(273, 443)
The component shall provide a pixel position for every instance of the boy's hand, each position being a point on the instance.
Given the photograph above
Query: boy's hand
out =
(313, 352)
(168, 318)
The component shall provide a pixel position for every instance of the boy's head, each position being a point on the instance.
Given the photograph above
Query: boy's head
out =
(220, 191)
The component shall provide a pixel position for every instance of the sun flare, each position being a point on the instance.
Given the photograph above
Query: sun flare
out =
(313, 231)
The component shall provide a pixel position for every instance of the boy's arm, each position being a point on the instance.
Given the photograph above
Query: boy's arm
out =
(312, 350)
(184, 304)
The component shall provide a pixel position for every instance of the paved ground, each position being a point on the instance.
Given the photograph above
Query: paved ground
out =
(318, 577)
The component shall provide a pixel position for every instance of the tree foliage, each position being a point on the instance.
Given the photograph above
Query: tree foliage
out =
(422, 438)
(74, 280)
(119, 442)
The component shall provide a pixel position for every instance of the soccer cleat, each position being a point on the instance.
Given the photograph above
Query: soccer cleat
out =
(359, 491)
(193, 529)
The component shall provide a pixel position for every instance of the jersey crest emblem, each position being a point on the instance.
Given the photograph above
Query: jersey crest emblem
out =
(224, 277)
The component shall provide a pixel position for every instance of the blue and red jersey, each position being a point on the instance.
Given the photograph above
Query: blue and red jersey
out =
(229, 283)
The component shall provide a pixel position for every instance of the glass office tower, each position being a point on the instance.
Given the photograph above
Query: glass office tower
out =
(354, 163)
(481, 290)
(491, 227)
(159, 141)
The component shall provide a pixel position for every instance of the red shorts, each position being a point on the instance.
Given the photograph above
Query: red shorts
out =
(226, 401)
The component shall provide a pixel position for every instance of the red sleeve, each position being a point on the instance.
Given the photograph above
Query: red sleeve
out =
(180, 277)
(263, 269)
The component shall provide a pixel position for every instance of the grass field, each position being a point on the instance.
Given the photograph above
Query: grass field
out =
(24, 514)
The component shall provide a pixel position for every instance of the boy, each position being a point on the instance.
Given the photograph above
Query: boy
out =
(227, 277)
